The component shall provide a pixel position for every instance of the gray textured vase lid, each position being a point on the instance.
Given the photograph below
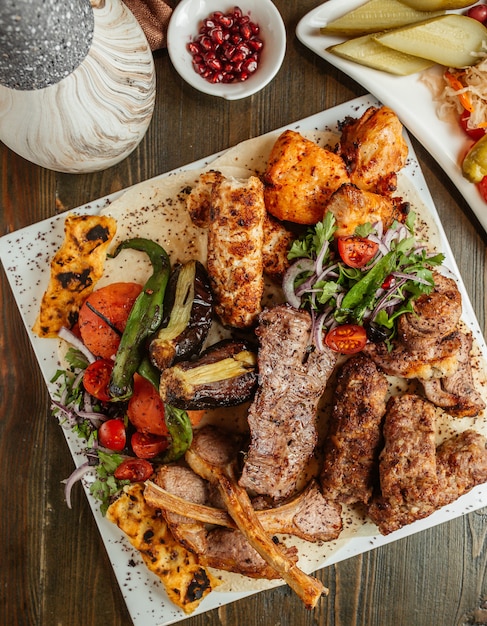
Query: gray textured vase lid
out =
(42, 41)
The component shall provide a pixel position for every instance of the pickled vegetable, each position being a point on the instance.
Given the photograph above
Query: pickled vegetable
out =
(452, 40)
(433, 5)
(474, 166)
(374, 16)
(367, 51)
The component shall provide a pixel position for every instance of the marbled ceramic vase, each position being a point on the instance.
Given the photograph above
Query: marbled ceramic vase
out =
(77, 82)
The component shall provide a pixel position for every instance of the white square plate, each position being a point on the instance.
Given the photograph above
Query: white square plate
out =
(26, 255)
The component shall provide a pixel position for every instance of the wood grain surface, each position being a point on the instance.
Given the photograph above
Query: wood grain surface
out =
(53, 567)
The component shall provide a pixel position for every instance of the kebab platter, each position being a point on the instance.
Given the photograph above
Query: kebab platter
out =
(310, 449)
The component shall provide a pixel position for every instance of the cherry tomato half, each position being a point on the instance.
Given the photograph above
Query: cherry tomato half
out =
(103, 316)
(347, 338)
(96, 379)
(135, 470)
(473, 133)
(146, 408)
(147, 446)
(356, 251)
(112, 435)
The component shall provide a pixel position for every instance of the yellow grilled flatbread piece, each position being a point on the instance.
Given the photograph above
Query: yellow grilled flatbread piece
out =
(185, 581)
(75, 269)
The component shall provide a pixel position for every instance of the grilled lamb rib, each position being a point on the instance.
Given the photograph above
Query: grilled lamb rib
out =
(211, 457)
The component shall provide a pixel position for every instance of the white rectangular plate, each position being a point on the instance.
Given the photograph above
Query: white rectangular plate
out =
(407, 96)
(26, 256)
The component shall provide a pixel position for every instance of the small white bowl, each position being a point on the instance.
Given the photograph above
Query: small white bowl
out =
(184, 26)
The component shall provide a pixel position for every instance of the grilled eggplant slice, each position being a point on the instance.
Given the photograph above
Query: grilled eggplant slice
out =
(225, 375)
(190, 302)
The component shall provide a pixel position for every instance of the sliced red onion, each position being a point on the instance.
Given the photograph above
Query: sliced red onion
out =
(299, 267)
(77, 475)
(71, 338)
(321, 257)
(414, 277)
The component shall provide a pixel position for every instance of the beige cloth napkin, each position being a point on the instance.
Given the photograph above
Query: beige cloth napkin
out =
(153, 16)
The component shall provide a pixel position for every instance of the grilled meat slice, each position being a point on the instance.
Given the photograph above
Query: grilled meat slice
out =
(456, 393)
(461, 465)
(353, 207)
(374, 149)
(437, 360)
(407, 464)
(235, 243)
(300, 178)
(415, 478)
(282, 417)
(354, 436)
(212, 458)
(428, 343)
(435, 315)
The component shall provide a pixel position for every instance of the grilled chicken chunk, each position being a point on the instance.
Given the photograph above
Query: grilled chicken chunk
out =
(415, 478)
(374, 149)
(353, 207)
(300, 178)
(235, 243)
(354, 435)
(276, 238)
(282, 417)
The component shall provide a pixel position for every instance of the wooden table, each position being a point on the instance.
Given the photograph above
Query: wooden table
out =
(53, 567)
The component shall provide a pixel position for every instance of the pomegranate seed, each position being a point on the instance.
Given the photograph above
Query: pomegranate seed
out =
(249, 65)
(206, 43)
(216, 35)
(227, 48)
(194, 48)
(256, 44)
(214, 64)
(226, 21)
(229, 51)
(245, 31)
(244, 49)
(216, 77)
(238, 56)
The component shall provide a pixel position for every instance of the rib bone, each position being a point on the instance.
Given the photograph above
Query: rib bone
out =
(207, 458)
(285, 519)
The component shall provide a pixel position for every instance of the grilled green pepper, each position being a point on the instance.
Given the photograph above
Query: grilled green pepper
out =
(474, 166)
(144, 319)
(181, 432)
